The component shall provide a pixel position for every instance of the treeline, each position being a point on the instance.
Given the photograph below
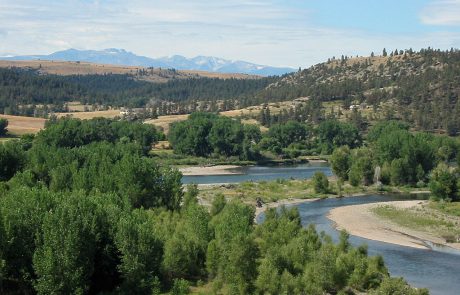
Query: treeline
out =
(22, 90)
(422, 86)
(208, 134)
(211, 135)
(84, 211)
(393, 155)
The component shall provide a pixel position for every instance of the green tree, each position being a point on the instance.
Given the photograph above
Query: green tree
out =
(64, 259)
(333, 134)
(341, 161)
(141, 252)
(443, 183)
(218, 204)
(12, 159)
(320, 183)
(231, 256)
(22, 210)
(397, 286)
(361, 171)
(3, 126)
(185, 250)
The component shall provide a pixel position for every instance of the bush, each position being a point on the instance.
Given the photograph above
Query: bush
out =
(180, 287)
(320, 183)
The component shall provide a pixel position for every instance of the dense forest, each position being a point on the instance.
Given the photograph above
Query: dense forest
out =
(85, 210)
(20, 88)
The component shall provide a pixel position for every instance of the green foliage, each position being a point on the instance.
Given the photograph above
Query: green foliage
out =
(289, 133)
(361, 171)
(3, 126)
(397, 286)
(64, 258)
(12, 159)
(180, 287)
(231, 255)
(333, 134)
(22, 211)
(320, 183)
(84, 211)
(341, 162)
(297, 260)
(141, 252)
(443, 183)
(385, 127)
(69, 132)
(218, 204)
(185, 250)
(205, 134)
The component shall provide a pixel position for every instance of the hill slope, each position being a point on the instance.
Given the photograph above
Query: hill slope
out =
(114, 56)
(421, 88)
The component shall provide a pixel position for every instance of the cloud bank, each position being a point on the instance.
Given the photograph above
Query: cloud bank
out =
(278, 33)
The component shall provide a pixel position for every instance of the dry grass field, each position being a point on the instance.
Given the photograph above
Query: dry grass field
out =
(18, 125)
(164, 121)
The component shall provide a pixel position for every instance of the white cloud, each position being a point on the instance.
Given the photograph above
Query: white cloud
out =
(267, 32)
(442, 12)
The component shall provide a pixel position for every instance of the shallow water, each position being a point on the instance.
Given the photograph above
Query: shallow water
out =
(258, 173)
(438, 270)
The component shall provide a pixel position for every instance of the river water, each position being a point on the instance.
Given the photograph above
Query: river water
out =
(258, 173)
(438, 270)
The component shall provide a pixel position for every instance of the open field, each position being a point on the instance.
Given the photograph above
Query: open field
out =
(87, 68)
(18, 125)
(164, 121)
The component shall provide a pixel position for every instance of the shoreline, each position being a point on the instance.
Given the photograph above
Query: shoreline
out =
(211, 170)
(260, 210)
(359, 220)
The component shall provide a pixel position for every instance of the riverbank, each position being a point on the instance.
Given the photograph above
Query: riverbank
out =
(362, 221)
(211, 170)
(286, 202)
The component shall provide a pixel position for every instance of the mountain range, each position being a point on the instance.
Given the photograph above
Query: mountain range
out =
(122, 57)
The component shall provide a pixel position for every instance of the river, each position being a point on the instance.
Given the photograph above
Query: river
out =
(258, 173)
(438, 270)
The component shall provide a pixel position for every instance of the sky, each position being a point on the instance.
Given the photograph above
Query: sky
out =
(291, 33)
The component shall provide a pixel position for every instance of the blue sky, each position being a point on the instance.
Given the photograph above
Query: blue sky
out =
(281, 33)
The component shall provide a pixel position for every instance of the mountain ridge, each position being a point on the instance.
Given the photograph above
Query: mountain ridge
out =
(116, 56)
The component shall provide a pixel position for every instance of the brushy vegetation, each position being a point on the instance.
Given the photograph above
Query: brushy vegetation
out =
(83, 210)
